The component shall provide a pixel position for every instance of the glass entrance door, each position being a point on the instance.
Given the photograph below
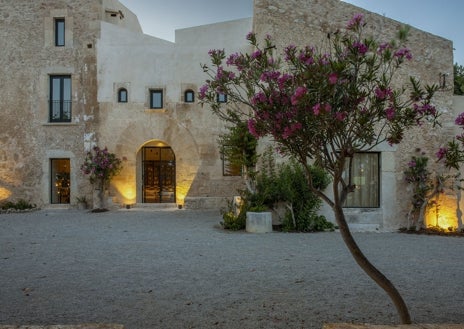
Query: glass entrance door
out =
(159, 175)
(60, 182)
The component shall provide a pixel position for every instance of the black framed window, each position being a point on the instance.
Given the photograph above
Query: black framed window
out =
(122, 95)
(59, 32)
(365, 175)
(189, 96)
(156, 99)
(60, 98)
(221, 98)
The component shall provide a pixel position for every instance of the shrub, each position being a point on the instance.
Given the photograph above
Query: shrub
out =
(21, 204)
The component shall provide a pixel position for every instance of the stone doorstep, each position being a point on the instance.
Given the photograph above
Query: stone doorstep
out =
(400, 326)
(67, 326)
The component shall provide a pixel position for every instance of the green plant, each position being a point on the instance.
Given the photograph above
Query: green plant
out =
(233, 219)
(458, 79)
(81, 199)
(21, 204)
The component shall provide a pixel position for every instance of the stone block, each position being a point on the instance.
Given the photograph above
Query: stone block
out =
(259, 222)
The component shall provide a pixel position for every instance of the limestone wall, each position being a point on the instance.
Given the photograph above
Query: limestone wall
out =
(138, 63)
(28, 57)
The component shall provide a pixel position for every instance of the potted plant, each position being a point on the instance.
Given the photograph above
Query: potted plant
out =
(81, 202)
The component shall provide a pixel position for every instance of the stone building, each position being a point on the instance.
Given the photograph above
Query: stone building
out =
(81, 73)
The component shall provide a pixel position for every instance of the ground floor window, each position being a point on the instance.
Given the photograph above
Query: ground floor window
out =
(365, 175)
(60, 180)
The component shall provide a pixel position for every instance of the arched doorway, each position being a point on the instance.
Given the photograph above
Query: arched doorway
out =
(158, 173)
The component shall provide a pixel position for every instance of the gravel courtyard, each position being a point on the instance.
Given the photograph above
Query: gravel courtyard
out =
(178, 269)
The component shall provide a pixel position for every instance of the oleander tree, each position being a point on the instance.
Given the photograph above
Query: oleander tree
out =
(322, 107)
(101, 166)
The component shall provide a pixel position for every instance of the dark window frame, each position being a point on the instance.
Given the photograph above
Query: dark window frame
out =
(121, 92)
(154, 92)
(188, 99)
(221, 98)
(60, 29)
(63, 105)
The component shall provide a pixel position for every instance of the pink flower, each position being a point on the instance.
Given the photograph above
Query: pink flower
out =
(256, 54)
(299, 93)
(252, 128)
(333, 78)
(356, 21)
(441, 153)
(390, 113)
(202, 92)
(340, 116)
(460, 120)
(317, 109)
(361, 47)
(403, 52)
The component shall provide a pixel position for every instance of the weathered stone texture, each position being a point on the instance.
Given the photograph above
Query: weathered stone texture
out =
(104, 53)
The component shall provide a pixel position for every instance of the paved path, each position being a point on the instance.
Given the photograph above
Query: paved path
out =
(177, 269)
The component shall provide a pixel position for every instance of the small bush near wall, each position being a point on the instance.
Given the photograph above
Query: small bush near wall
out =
(285, 184)
(20, 205)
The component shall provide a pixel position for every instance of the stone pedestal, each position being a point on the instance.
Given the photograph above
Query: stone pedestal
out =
(259, 222)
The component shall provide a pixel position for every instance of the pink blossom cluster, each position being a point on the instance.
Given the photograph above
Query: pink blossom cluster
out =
(355, 22)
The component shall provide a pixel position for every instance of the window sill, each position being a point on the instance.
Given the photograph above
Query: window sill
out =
(60, 124)
(155, 110)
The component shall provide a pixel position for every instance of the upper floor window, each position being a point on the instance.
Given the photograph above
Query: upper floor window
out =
(221, 98)
(59, 32)
(189, 96)
(122, 95)
(60, 98)
(156, 99)
(365, 175)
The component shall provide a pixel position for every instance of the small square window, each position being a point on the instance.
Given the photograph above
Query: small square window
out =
(156, 99)
(59, 32)
(189, 96)
(122, 95)
(221, 98)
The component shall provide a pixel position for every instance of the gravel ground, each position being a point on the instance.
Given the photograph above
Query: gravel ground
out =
(178, 269)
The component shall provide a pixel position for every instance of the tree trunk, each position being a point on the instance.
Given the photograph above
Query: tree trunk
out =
(367, 267)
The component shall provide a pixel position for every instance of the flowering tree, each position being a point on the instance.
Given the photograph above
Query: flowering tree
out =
(101, 165)
(323, 107)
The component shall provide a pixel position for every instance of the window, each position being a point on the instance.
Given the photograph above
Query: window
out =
(59, 32)
(229, 168)
(189, 96)
(60, 180)
(221, 98)
(122, 95)
(156, 99)
(60, 98)
(365, 175)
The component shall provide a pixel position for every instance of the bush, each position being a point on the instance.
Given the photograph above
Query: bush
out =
(232, 221)
(288, 183)
(18, 205)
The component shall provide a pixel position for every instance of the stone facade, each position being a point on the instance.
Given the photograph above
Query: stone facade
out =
(105, 52)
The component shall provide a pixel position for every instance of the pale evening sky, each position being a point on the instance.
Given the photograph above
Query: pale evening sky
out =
(160, 18)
